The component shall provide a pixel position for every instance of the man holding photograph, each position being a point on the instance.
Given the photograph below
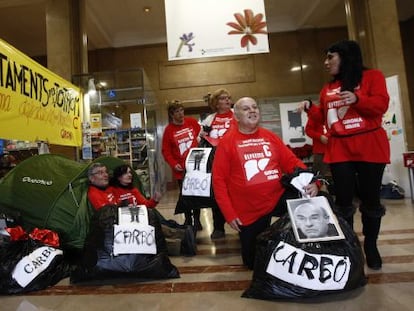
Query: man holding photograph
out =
(247, 176)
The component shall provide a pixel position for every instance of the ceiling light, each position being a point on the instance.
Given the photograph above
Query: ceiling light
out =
(102, 84)
(146, 9)
(91, 86)
(298, 68)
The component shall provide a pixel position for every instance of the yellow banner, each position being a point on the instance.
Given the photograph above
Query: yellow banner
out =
(35, 103)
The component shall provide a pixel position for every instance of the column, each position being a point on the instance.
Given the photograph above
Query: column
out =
(375, 25)
(62, 33)
(64, 47)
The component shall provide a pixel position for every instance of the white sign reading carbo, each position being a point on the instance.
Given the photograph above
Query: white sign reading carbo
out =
(134, 239)
(311, 271)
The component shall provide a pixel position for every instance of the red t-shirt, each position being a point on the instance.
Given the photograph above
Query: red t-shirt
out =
(100, 197)
(177, 141)
(315, 129)
(366, 140)
(220, 123)
(247, 172)
(126, 194)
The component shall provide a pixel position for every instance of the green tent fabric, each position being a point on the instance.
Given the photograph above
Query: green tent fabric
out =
(50, 191)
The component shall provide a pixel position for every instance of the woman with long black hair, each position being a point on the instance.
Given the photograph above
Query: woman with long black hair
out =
(352, 106)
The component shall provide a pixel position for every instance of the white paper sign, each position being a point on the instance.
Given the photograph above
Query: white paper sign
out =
(238, 27)
(313, 220)
(133, 214)
(32, 265)
(134, 238)
(136, 120)
(293, 125)
(197, 181)
(312, 271)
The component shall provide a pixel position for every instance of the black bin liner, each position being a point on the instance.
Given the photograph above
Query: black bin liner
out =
(45, 261)
(305, 270)
(99, 263)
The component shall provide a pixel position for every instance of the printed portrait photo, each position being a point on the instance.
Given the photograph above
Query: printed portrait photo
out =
(313, 220)
(197, 159)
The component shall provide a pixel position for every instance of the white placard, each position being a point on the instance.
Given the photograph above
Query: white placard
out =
(197, 184)
(197, 181)
(136, 120)
(313, 220)
(192, 32)
(293, 125)
(133, 214)
(32, 265)
(197, 159)
(312, 271)
(134, 238)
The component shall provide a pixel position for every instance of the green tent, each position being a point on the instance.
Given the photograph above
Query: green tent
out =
(50, 191)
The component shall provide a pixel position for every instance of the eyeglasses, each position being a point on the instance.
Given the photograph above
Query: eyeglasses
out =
(224, 97)
(102, 172)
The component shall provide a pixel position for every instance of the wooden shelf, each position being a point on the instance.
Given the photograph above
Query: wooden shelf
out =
(131, 146)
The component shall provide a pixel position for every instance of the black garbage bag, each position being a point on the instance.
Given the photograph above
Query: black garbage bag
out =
(8, 220)
(29, 265)
(100, 264)
(287, 269)
(186, 234)
(392, 191)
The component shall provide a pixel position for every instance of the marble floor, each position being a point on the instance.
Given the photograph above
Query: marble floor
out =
(214, 279)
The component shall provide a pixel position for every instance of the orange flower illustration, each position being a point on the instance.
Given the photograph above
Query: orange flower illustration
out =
(248, 25)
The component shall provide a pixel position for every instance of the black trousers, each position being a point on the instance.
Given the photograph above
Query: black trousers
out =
(248, 234)
(194, 213)
(362, 179)
(218, 219)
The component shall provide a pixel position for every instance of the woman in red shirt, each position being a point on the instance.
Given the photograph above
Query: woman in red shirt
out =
(124, 191)
(352, 106)
(215, 125)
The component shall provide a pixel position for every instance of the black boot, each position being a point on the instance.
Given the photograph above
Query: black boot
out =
(347, 213)
(370, 229)
(188, 219)
(197, 222)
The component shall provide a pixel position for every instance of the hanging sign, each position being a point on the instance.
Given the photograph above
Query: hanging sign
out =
(209, 28)
(35, 103)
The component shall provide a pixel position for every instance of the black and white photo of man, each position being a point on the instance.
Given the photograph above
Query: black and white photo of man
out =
(198, 156)
(314, 220)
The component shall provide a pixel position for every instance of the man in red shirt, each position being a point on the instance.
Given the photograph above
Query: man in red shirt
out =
(180, 135)
(247, 170)
(99, 194)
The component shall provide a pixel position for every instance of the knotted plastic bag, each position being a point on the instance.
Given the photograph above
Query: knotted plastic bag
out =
(287, 269)
(31, 262)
